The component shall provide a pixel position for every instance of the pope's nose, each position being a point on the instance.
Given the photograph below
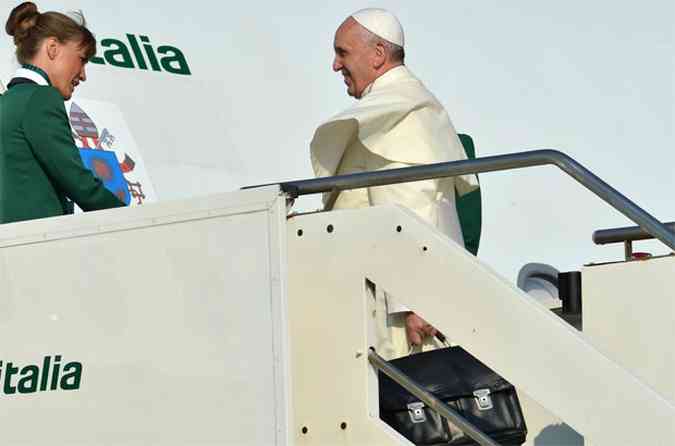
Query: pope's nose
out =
(337, 65)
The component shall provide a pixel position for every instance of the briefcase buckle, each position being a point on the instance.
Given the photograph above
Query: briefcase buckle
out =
(416, 411)
(483, 399)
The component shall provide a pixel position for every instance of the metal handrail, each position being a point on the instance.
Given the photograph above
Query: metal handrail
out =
(625, 234)
(489, 164)
(427, 398)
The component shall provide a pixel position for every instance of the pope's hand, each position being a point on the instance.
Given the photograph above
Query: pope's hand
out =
(417, 329)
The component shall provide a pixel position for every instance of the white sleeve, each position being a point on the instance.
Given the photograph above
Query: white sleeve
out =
(395, 307)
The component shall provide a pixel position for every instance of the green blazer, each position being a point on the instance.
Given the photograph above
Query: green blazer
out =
(40, 166)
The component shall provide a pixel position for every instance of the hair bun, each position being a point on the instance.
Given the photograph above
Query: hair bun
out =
(21, 19)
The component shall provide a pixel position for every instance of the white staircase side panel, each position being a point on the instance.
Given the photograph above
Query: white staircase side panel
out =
(176, 312)
(526, 343)
(629, 314)
(217, 321)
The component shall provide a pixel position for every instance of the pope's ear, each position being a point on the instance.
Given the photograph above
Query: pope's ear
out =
(380, 56)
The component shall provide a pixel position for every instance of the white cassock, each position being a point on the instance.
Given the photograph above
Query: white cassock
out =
(397, 123)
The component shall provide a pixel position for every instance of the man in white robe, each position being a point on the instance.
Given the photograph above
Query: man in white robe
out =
(396, 123)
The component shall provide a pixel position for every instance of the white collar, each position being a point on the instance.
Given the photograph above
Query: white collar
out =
(32, 75)
(367, 90)
(395, 73)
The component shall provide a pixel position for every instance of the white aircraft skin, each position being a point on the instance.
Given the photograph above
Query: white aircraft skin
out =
(593, 80)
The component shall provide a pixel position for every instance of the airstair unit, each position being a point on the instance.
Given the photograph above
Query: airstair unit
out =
(222, 320)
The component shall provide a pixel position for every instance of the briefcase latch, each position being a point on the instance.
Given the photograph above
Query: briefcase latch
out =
(483, 399)
(416, 411)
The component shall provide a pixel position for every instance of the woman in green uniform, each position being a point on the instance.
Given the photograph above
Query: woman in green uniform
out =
(41, 172)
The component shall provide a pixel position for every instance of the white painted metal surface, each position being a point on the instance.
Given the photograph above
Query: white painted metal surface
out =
(175, 311)
(629, 314)
(217, 321)
(543, 356)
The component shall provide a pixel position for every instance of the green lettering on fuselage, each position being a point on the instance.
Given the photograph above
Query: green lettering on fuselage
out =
(32, 378)
(116, 53)
(130, 55)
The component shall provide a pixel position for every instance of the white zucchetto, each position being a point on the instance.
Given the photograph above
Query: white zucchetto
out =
(382, 23)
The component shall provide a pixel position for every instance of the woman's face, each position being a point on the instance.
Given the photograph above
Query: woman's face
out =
(67, 69)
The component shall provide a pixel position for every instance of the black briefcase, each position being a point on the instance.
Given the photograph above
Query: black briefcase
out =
(465, 384)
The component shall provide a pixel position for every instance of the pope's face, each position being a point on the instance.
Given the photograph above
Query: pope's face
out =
(353, 57)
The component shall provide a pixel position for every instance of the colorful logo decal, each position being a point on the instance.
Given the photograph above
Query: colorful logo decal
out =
(105, 166)
(104, 163)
